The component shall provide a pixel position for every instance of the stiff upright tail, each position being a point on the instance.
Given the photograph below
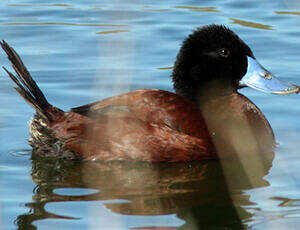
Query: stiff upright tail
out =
(27, 87)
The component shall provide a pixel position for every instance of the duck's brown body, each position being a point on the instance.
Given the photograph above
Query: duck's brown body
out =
(148, 125)
(237, 126)
(155, 125)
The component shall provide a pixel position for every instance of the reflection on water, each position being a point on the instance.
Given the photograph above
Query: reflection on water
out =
(197, 192)
(286, 202)
(251, 24)
(198, 9)
(112, 31)
(165, 68)
(59, 23)
(38, 5)
(287, 12)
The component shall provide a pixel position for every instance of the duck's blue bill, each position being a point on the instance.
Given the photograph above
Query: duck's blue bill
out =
(259, 78)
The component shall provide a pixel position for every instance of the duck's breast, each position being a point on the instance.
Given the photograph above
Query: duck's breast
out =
(237, 126)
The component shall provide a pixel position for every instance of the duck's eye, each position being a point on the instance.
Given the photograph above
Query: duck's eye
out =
(223, 52)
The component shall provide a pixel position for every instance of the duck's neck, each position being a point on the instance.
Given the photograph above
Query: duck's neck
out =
(205, 92)
(200, 83)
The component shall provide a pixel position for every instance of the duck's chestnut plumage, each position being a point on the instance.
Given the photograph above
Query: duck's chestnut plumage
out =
(205, 119)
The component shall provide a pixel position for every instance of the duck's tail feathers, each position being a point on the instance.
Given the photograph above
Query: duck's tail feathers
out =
(26, 86)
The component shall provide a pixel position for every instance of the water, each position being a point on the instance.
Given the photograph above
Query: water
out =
(82, 51)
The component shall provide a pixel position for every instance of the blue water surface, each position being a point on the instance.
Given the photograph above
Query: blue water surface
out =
(82, 51)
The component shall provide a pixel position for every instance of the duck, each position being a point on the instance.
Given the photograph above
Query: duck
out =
(206, 118)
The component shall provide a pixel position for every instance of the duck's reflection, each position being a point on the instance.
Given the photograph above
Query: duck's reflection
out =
(197, 192)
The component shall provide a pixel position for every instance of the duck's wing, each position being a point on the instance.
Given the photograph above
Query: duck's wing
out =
(89, 111)
(84, 110)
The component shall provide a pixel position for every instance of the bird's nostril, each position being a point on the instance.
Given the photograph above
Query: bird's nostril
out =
(268, 76)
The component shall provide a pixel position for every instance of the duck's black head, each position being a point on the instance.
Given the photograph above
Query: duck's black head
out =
(211, 55)
(213, 60)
